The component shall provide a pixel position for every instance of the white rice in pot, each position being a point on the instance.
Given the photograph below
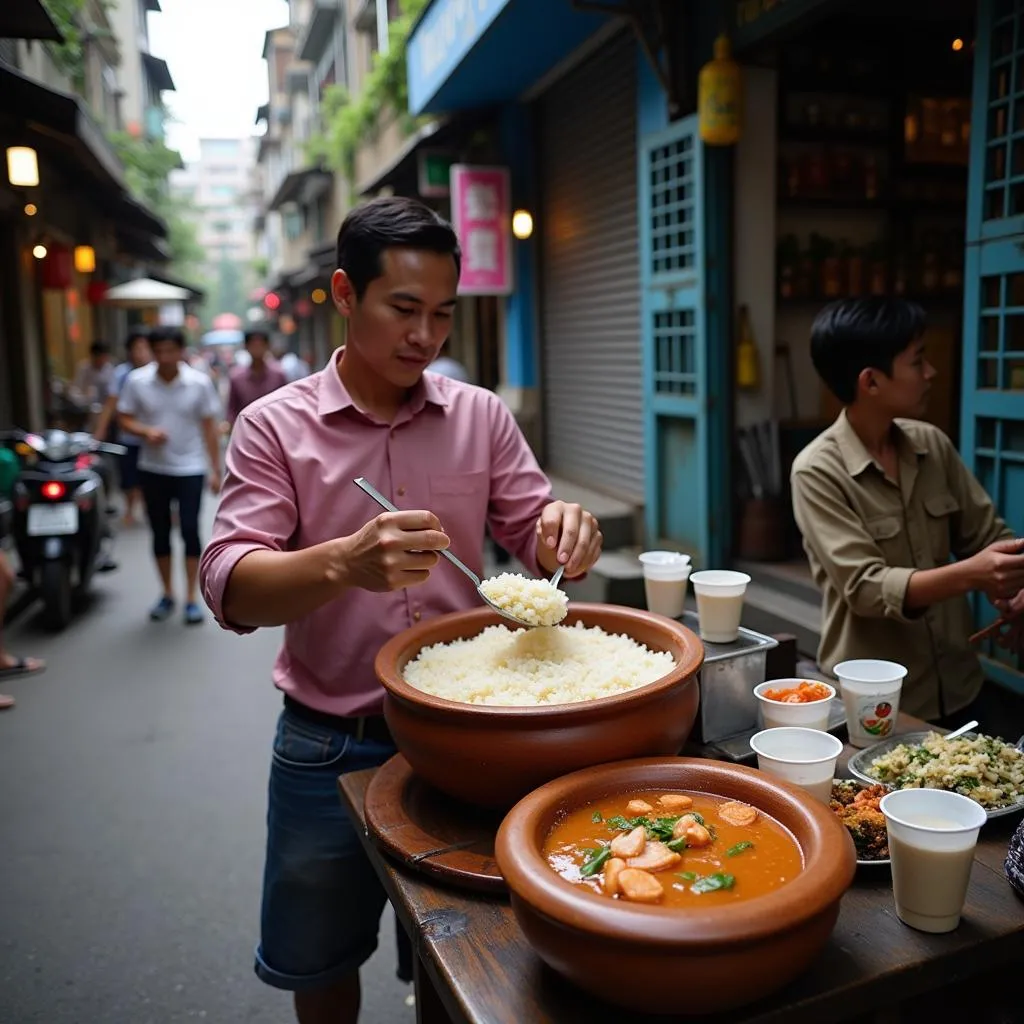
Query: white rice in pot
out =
(549, 665)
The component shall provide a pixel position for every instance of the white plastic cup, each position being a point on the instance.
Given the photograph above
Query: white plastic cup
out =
(806, 757)
(871, 698)
(932, 836)
(776, 714)
(665, 576)
(719, 603)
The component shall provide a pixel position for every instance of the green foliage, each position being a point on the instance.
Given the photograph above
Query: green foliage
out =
(69, 55)
(349, 121)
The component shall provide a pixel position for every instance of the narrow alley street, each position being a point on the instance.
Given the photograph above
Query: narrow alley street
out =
(133, 796)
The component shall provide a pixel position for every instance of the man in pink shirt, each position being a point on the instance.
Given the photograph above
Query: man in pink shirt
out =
(296, 543)
(259, 378)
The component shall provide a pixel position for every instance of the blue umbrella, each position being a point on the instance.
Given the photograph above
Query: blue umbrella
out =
(224, 336)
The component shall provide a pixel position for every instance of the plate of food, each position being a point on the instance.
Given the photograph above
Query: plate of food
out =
(985, 768)
(856, 804)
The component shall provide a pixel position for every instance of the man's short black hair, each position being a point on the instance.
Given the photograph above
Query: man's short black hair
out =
(853, 335)
(257, 332)
(390, 222)
(99, 348)
(159, 334)
(139, 334)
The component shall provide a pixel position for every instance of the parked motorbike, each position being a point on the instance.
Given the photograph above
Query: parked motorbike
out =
(60, 522)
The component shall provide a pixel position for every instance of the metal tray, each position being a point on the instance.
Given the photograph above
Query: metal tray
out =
(861, 761)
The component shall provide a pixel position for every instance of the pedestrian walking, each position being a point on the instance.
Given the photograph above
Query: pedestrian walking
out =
(10, 664)
(175, 410)
(295, 544)
(259, 377)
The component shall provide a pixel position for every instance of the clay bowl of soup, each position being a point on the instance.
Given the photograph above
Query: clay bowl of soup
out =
(675, 885)
(577, 714)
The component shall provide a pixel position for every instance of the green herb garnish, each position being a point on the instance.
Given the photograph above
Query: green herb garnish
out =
(597, 817)
(734, 851)
(676, 845)
(659, 828)
(711, 883)
(595, 861)
(687, 876)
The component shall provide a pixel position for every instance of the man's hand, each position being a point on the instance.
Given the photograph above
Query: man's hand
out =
(998, 570)
(393, 551)
(568, 535)
(215, 481)
(156, 436)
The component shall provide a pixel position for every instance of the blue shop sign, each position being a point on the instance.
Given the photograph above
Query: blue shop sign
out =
(445, 34)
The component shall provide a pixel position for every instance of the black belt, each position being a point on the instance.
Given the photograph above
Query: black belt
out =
(362, 727)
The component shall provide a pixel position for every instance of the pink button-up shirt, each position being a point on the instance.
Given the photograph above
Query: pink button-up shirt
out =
(454, 449)
(245, 385)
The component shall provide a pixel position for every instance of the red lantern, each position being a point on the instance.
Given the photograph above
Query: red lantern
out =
(96, 292)
(55, 268)
(272, 301)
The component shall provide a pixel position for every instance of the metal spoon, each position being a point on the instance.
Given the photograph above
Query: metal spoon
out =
(959, 732)
(372, 491)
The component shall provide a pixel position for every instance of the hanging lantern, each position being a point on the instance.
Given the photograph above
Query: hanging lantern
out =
(85, 259)
(22, 167)
(719, 97)
(55, 268)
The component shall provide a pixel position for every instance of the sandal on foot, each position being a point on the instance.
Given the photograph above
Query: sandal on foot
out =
(22, 667)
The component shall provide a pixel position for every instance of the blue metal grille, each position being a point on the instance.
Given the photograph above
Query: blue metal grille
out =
(672, 192)
(1001, 333)
(675, 362)
(1004, 154)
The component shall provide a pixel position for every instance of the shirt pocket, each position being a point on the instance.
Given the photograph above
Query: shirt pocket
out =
(458, 494)
(940, 509)
(886, 532)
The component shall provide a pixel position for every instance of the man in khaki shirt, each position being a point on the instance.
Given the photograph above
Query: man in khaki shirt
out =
(884, 502)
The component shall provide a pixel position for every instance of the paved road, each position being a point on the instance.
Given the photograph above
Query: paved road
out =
(132, 799)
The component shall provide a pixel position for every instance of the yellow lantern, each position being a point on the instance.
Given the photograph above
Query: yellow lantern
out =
(85, 259)
(719, 97)
(22, 167)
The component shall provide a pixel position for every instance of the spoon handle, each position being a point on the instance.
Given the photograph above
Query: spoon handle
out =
(557, 578)
(959, 732)
(365, 485)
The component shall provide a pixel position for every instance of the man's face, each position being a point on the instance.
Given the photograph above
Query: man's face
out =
(140, 353)
(404, 316)
(167, 354)
(100, 359)
(257, 347)
(905, 392)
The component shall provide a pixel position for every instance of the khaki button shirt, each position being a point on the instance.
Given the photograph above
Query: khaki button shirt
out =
(865, 536)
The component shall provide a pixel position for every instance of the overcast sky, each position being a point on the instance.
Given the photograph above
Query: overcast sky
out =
(213, 49)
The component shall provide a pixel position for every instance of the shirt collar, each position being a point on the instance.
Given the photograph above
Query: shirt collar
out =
(855, 453)
(334, 397)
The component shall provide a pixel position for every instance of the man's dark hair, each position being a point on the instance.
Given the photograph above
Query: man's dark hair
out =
(391, 222)
(159, 334)
(133, 337)
(257, 332)
(99, 348)
(853, 335)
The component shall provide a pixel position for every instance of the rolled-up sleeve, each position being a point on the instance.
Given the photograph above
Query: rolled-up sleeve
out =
(519, 488)
(258, 510)
(842, 545)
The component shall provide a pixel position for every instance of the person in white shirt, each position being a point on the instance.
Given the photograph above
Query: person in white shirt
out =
(175, 409)
(448, 366)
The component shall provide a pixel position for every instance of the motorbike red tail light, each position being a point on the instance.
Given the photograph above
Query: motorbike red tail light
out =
(54, 489)
(83, 462)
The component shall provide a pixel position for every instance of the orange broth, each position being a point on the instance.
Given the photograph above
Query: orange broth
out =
(772, 859)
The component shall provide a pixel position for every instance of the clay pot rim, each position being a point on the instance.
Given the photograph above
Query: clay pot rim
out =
(829, 856)
(476, 619)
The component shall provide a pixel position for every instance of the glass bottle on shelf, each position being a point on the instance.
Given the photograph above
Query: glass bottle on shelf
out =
(930, 278)
(853, 269)
(788, 257)
(878, 273)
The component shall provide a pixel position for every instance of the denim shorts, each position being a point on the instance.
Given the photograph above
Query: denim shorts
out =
(322, 899)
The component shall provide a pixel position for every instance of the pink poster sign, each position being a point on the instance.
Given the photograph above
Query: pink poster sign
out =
(481, 211)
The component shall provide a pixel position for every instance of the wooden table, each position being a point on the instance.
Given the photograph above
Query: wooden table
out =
(475, 967)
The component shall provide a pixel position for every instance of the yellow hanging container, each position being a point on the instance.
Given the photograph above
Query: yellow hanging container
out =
(719, 97)
(748, 362)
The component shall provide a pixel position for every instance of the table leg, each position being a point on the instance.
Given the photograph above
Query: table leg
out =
(429, 1008)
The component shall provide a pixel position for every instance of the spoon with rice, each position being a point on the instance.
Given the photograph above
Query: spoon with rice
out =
(526, 602)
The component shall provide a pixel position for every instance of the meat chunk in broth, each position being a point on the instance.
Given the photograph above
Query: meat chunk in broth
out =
(737, 813)
(656, 856)
(640, 886)
(629, 844)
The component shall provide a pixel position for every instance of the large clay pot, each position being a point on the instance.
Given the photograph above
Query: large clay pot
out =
(491, 756)
(663, 960)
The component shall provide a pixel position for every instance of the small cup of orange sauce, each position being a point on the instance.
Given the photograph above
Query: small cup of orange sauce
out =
(803, 703)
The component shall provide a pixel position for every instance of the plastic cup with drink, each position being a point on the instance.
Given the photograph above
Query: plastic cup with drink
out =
(932, 836)
(720, 595)
(805, 757)
(871, 698)
(665, 576)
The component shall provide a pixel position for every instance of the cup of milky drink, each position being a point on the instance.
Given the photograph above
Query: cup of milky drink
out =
(932, 836)
(719, 603)
(805, 757)
(871, 698)
(665, 576)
